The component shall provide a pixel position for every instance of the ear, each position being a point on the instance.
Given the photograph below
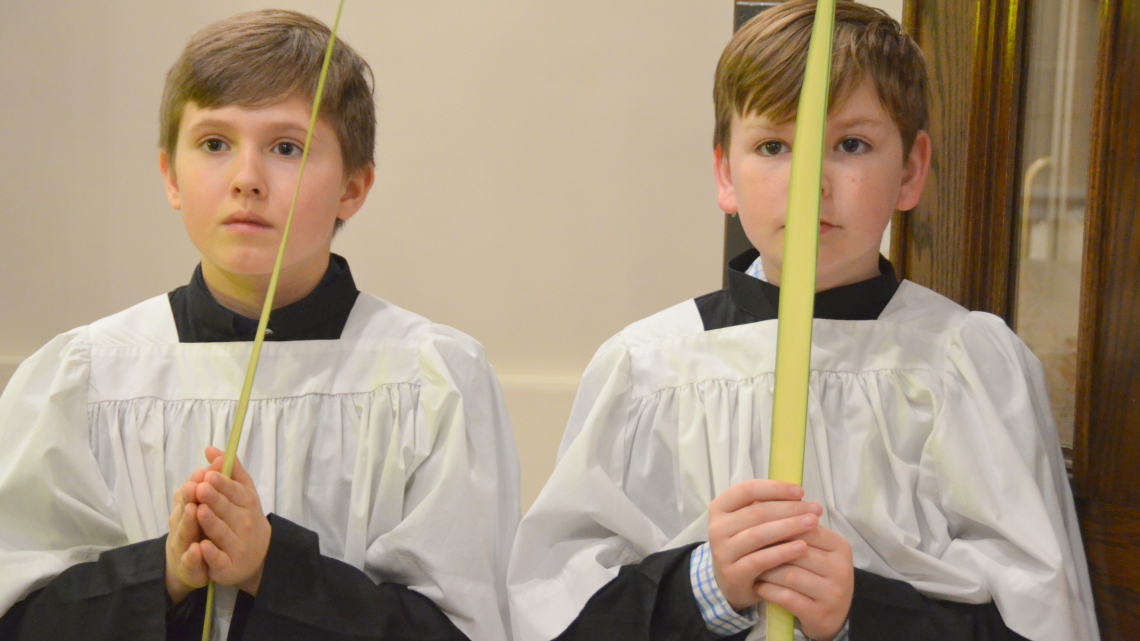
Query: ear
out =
(915, 171)
(172, 194)
(355, 192)
(725, 192)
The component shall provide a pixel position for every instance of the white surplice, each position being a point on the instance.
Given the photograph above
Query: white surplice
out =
(391, 443)
(930, 444)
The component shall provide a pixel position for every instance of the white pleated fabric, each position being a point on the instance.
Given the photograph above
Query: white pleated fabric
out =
(392, 443)
(930, 444)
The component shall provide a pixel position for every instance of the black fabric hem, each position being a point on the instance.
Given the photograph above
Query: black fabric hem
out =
(304, 595)
(184, 621)
(885, 608)
(650, 600)
(120, 595)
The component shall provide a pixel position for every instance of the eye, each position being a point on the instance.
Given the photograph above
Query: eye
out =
(853, 146)
(213, 145)
(771, 148)
(287, 148)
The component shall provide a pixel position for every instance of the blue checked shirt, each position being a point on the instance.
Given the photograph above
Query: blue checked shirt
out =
(756, 270)
(719, 616)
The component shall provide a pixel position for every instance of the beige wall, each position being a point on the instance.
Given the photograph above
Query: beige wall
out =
(544, 173)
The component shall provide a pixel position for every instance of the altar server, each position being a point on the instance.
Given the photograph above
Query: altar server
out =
(934, 505)
(376, 491)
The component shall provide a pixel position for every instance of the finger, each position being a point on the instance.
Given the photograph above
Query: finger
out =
(177, 502)
(198, 476)
(235, 493)
(241, 476)
(730, 524)
(213, 454)
(184, 531)
(787, 598)
(193, 570)
(192, 559)
(188, 530)
(217, 561)
(765, 535)
(189, 491)
(751, 491)
(825, 539)
(793, 577)
(816, 561)
(217, 531)
(761, 561)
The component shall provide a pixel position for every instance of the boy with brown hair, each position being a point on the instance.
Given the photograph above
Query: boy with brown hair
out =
(935, 503)
(376, 492)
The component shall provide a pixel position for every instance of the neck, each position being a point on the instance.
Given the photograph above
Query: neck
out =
(245, 293)
(864, 269)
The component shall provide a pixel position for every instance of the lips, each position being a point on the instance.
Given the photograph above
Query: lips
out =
(823, 227)
(246, 220)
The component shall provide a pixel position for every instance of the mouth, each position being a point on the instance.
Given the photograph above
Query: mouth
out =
(824, 227)
(246, 221)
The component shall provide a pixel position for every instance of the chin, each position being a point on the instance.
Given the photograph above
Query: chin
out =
(246, 263)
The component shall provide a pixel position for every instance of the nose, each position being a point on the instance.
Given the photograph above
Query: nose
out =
(825, 182)
(248, 174)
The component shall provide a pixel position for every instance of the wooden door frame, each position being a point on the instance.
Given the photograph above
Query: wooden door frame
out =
(1107, 426)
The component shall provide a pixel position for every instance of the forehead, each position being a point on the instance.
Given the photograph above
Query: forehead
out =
(862, 108)
(290, 113)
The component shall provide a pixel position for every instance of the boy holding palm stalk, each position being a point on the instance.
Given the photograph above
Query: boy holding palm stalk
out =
(935, 503)
(376, 492)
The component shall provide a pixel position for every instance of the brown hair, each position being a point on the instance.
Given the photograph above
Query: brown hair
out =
(258, 58)
(762, 67)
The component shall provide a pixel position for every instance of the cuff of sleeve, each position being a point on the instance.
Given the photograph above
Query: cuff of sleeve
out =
(844, 632)
(291, 563)
(720, 618)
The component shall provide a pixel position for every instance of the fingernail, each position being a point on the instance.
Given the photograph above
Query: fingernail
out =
(809, 520)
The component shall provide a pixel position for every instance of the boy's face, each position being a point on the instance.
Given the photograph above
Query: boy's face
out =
(234, 174)
(865, 179)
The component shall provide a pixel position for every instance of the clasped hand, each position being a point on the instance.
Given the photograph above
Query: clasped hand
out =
(217, 531)
(768, 545)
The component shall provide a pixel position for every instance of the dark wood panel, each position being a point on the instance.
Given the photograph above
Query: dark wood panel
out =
(1107, 431)
(1108, 402)
(959, 241)
(927, 240)
(1112, 542)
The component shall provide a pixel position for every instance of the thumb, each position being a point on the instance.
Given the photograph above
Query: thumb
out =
(240, 475)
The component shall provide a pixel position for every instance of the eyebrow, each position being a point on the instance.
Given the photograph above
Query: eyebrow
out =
(765, 126)
(856, 121)
(214, 123)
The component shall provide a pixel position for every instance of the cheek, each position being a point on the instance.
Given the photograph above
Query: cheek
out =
(870, 190)
(318, 205)
(766, 193)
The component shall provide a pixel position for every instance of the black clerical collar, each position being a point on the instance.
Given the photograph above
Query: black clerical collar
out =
(319, 316)
(749, 300)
